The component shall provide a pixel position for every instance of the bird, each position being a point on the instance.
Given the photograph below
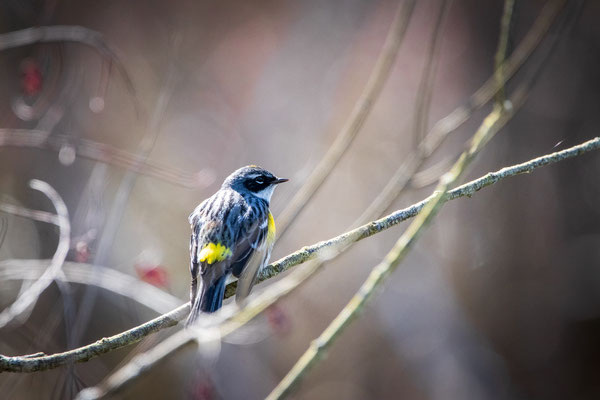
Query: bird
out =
(233, 233)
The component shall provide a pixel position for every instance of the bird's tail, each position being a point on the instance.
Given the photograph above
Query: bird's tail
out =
(209, 299)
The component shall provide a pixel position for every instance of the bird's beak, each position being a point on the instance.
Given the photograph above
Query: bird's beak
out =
(279, 180)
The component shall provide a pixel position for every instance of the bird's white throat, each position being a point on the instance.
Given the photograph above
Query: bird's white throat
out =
(266, 193)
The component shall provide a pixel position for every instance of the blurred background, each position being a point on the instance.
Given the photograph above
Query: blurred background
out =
(140, 117)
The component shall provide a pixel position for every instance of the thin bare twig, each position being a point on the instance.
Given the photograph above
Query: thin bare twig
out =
(355, 121)
(105, 153)
(316, 251)
(503, 48)
(531, 41)
(3, 228)
(106, 278)
(460, 115)
(425, 91)
(29, 296)
(36, 215)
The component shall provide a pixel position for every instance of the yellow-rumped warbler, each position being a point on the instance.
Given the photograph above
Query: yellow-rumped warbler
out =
(232, 233)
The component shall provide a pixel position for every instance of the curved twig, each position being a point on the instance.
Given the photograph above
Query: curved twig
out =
(29, 296)
(64, 33)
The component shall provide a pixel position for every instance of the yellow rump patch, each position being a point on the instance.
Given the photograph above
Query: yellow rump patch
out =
(271, 229)
(214, 252)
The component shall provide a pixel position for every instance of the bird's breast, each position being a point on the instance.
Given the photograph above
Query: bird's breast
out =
(271, 231)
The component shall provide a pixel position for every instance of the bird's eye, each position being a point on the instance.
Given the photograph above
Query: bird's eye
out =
(260, 180)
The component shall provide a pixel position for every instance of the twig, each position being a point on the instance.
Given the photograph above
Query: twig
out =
(319, 250)
(425, 91)
(29, 296)
(98, 152)
(502, 48)
(460, 115)
(36, 215)
(56, 33)
(430, 175)
(355, 121)
(140, 364)
(531, 41)
(3, 228)
(106, 278)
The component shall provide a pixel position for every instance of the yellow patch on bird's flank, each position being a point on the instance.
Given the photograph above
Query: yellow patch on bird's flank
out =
(271, 229)
(214, 252)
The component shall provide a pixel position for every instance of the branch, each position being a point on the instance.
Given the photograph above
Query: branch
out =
(319, 250)
(229, 318)
(355, 121)
(333, 245)
(104, 345)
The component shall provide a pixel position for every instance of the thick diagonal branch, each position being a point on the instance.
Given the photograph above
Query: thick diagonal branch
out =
(31, 364)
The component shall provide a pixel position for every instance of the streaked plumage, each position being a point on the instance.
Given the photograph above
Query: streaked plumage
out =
(232, 233)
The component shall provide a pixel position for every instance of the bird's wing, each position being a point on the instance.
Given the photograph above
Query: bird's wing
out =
(196, 223)
(260, 243)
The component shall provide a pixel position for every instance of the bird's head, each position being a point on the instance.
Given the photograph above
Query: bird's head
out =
(253, 180)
